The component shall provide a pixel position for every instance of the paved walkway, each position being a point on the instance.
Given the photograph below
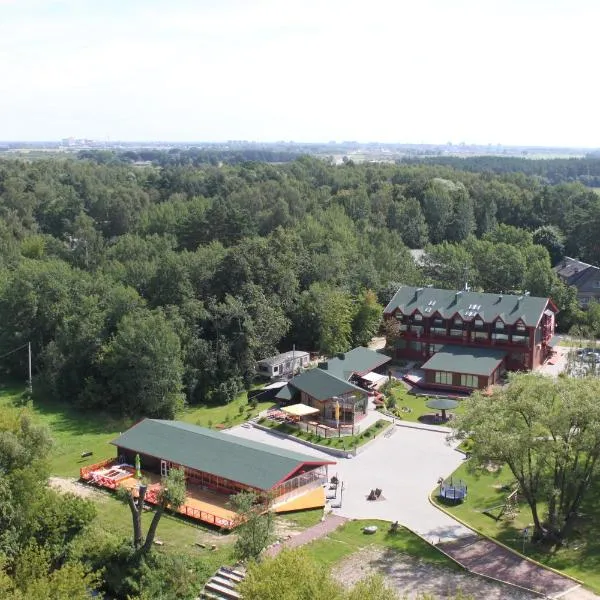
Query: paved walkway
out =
(315, 532)
(484, 557)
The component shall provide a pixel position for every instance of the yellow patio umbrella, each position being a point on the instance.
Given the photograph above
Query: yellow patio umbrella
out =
(337, 412)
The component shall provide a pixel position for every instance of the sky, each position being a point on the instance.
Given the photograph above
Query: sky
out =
(511, 72)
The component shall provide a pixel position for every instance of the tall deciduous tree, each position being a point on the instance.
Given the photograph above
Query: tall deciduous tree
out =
(548, 434)
(366, 318)
(142, 366)
(171, 495)
(255, 525)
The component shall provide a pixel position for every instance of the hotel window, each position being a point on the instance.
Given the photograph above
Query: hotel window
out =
(417, 317)
(443, 377)
(480, 335)
(471, 381)
(458, 322)
(520, 327)
(478, 323)
(499, 325)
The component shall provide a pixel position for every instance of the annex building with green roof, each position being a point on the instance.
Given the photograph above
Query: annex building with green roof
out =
(466, 340)
(216, 465)
(336, 387)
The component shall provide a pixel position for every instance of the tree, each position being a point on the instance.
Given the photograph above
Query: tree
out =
(323, 319)
(366, 318)
(171, 495)
(291, 575)
(34, 578)
(548, 434)
(553, 240)
(254, 525)
(142, 366)
(438, 207)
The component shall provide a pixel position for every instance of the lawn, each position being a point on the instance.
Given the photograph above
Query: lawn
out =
(302, 519)
(346, 442)
(410, 407)
(581, 559)
(350, 538)
(75, 431)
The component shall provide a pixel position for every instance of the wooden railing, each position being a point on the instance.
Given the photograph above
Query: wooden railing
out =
(201, 515)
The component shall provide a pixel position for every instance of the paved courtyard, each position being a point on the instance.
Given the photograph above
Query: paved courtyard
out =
(405, 465)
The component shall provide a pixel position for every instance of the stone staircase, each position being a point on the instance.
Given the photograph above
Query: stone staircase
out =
(223, 585)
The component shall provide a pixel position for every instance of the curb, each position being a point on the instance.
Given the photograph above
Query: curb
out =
(511, 550)
(325, 449)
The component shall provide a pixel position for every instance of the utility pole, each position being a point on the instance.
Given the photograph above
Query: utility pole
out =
(30, 382)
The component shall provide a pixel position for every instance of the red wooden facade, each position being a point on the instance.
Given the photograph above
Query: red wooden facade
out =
(417, 336)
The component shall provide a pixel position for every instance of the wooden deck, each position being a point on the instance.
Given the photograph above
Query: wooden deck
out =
(201, 505)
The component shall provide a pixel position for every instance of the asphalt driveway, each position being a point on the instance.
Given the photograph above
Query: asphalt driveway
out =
(405, 465)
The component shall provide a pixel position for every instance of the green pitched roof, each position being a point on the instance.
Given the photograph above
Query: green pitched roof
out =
(222, 454)
(285, 393)
(323, 385)
(469, 305)
(470, 361)
(359, 360)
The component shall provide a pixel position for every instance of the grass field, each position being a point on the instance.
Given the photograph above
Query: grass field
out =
(410, 407)
(350, 538)
(581, 559)
(75, 432)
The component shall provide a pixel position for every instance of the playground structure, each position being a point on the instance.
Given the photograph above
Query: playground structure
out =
(508, 509)
(452, 490)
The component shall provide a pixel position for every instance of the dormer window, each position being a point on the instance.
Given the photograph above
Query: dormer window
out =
(478, 323)
(458, 322)
(520, 327)
(418, 317)
(499, 325)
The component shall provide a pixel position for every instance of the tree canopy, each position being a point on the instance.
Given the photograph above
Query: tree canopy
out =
(547, 432)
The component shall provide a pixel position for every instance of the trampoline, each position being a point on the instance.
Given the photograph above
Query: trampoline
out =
(455, 491)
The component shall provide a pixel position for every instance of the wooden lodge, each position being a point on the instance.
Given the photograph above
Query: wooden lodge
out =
(216, 465)
(467, 340)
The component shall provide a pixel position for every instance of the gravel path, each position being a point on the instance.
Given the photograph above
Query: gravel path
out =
(72, 486)
(412, 577)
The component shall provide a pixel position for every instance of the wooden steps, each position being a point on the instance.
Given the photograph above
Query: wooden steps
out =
(223, 585)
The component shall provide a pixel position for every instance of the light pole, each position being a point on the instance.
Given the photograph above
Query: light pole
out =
(30, 380)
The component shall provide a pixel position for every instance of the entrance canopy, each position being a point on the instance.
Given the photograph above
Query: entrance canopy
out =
(299, 410)
(373, 378)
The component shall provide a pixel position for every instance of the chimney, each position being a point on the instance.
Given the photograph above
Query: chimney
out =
(499, 298)
(418, 292)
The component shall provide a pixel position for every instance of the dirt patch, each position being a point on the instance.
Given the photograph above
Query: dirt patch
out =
(492, 467)
(412, 577)
(72, 486)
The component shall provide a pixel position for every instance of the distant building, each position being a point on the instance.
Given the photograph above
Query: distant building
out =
(586, 278)
(283, 365)
(466, 340)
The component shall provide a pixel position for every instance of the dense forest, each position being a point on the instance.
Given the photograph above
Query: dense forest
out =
(141, 287)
